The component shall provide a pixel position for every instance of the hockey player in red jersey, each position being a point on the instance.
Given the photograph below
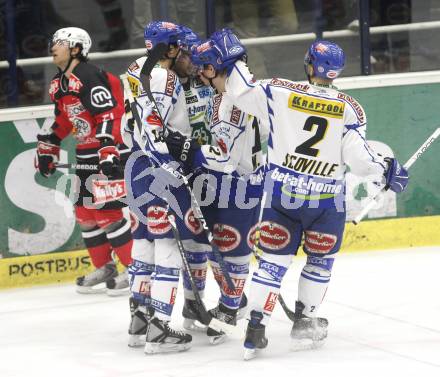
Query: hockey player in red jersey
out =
(89, 105)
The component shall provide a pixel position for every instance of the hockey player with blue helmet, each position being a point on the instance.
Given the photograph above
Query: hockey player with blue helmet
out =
(235, 161)
(316, 133)
(154, 248)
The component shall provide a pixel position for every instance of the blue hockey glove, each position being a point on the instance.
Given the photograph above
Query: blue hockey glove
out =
(396, 175)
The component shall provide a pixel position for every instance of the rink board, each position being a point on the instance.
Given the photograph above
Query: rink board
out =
(368, 235)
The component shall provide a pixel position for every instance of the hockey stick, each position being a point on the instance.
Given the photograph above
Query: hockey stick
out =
(290, 313)
(207, 318)
(373, 201)
(145, 73)
(91, 167)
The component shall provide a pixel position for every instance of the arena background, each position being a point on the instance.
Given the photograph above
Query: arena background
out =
(391, 69)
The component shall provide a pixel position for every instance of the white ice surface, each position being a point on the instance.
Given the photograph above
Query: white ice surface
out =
(383, 308)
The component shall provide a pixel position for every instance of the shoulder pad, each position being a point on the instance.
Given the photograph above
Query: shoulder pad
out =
(355, 105)
(163, 81)
(135, 67)
(85, 75)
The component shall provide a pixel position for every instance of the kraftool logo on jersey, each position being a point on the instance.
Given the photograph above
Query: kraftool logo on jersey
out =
(192, 223)
(157, 221)
(273, 236)
(226, 237)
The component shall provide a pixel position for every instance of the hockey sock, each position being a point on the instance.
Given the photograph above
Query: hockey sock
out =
(266, 284)
(166, 279)
(238, 268)
(98, 246)
(141, 269)
(198, 265)
(140, 280)
(119, 236)
(313, 283)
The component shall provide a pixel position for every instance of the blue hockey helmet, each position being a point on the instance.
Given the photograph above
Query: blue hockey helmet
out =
(188, 39)
(161, 32)
(222, 50)
(327, 59)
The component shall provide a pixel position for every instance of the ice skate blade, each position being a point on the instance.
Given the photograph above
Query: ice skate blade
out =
(305, 344)
(90, 290)
(217, 339)
(136, 341)
(193, 325)
(117, 292)
(152, 348)
(249, 353)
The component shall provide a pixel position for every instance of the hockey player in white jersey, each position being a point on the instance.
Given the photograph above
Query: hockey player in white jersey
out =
(155, 249)
(235, 163)
(315, 133)
(197, 96)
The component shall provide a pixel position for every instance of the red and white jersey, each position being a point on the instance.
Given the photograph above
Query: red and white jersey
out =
(88, 105)
(315, 133)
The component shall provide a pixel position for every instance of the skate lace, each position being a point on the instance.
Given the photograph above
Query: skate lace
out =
(171, 331)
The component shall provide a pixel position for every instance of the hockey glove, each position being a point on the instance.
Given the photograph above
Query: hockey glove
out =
(48, 153)
(109, 162)
(182, 148)
(396, 175)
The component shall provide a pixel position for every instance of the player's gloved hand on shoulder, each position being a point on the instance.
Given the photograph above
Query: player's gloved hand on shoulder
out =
(109, 162)
(181, 147)
(396, 175)
(48, 153)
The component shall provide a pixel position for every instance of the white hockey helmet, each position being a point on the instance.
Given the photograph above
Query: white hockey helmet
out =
(76, 37)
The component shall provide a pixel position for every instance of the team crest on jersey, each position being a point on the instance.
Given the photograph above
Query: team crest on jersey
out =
(101, 97)
(273, 236)
(157, 221)
(75, 84)
(192, 223)
(75, 109)
(226, 237)
(81, 128)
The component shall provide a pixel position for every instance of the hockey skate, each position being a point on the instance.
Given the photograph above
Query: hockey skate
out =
(223, 314)
(160, 338)
(192, 320)
(307, 333)
(138, 324)
(94, 282)
(255, 336)
(118, 285)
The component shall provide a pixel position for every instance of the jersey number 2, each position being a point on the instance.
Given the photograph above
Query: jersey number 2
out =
(306, 147)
